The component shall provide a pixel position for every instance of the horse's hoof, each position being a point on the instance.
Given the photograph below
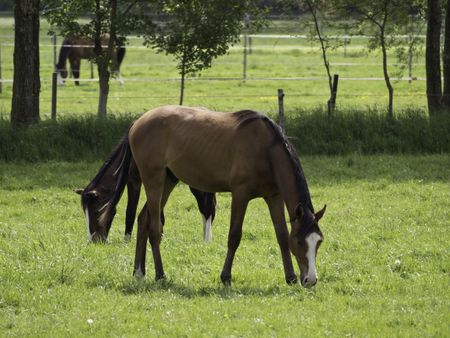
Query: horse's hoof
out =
(226, 280)
(127, 237)
(160, 277)
(138, 274)
(291, 280)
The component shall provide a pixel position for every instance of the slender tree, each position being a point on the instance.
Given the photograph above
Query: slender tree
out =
(315, 7)
(26, 87)
(198, 31)
(386, 17)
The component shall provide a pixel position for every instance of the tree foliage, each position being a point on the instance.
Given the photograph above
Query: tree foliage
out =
(198, 31)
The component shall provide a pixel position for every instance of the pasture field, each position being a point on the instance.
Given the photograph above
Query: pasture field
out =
(151, 78)
(383, 269)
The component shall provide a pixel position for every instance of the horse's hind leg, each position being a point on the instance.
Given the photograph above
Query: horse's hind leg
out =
(276, 208)
(238, 207)
(206, 202)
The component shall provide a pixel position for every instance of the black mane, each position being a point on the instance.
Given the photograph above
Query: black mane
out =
(245, 116)
(107, 165)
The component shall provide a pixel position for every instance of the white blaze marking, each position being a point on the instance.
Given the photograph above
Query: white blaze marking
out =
(312, 241)
(207, 229)
(88, 222)
(60, 79)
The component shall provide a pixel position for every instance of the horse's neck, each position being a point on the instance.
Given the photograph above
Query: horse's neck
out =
(287, 180)
(63, 53)
(284, 177)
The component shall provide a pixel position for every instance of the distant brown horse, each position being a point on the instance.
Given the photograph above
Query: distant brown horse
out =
(244, 153)
(76, 48)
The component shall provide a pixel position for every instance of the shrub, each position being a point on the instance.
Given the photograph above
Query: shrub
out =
(312, 132)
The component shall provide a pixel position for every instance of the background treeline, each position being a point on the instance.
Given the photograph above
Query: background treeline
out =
(312, 133)
(7, 5)
(275, 7)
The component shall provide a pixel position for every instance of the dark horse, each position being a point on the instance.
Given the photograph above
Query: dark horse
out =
(77, 48)
(244, 153)
(98, 191)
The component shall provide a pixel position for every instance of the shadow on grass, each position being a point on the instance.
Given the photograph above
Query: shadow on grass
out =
(134, 287)
(321, 170)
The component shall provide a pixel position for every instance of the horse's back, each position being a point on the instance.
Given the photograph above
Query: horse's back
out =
(206, 149)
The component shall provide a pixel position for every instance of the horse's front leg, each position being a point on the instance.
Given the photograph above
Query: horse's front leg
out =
(276, 208)
(75, 65)
(239, 204)
(157, 188)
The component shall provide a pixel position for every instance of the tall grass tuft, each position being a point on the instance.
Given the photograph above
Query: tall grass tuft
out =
(312, 132)
(368, 132)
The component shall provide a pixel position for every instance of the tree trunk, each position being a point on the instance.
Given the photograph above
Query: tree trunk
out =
(432, 56)
(387, 79)
(183, 75)
(103, 77)
(182, 89)
(26, 87)
(446, 61)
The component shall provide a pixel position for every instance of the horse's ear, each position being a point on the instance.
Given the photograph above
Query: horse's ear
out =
(298, 214)
(320, 213)
(299, 211)
(79, 191)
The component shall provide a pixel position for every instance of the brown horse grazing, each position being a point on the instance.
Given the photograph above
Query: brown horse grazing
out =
(244, 153)
(98, 191)
(77, 48)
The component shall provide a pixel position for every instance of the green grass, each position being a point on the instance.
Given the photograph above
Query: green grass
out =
(146, 74)
(383, 268)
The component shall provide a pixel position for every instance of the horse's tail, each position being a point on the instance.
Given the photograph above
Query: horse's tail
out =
(63, 54)
(124, 157)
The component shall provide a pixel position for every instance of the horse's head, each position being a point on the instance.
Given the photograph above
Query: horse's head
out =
(61, 70)
(92, 203)
(304, 242)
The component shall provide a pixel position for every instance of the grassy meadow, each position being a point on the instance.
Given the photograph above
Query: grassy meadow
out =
(151, 79)
(383, 268)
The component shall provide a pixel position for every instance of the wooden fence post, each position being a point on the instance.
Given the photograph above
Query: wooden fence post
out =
(250, 45)
(54, 52)
(281, 109)
(244, 72)
(54, 89)
(332, 100)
